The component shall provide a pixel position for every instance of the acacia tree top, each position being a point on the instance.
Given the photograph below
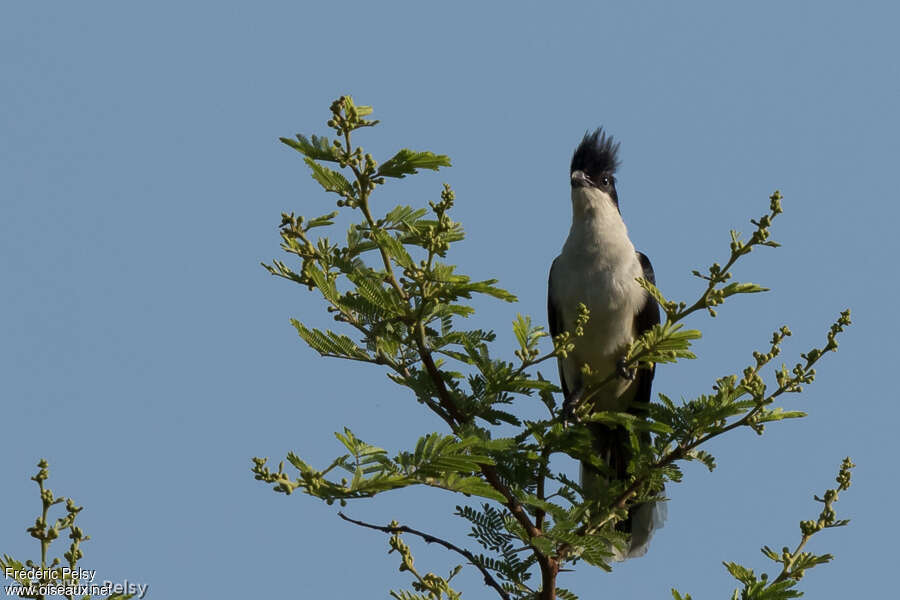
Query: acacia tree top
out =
(398, 304)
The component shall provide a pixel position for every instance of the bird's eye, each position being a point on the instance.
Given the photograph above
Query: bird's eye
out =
(604, 180)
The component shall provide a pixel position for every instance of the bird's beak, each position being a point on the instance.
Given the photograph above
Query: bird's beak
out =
(579, 179)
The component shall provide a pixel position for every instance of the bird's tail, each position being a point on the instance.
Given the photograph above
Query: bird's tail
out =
(612, 445)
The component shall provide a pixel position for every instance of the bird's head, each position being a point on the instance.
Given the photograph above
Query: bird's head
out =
(593, 169)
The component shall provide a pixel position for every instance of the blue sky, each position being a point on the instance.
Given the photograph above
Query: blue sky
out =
(148, 356)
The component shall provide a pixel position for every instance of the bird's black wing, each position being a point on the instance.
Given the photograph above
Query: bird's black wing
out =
(554, 317)
(646, 318)
(643, 519)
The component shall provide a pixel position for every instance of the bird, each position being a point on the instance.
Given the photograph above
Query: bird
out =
(599, 266)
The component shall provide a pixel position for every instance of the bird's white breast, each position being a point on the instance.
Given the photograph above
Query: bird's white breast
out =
(598, 266)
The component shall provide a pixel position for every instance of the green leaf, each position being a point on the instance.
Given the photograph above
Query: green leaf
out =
(326, 286)
(487, 526)
(471, 486)
(778, 414)
(521, 326)
(315, 148)
(405, 595)
(527, 335)
(372, 289)
(556, 511)
(453, 309)
(742, 288)
(595, 549)
(436, 454)
(330, 180)
(652, 290)
(394, 248)
(484, 287)
(381, 482)
(356, 446)
(741, 573)
(664, 343)
(328, 343)
(405, 215)
(408, 162)
(808, 560)
(703, 456)
(629, 421)
(322, 221)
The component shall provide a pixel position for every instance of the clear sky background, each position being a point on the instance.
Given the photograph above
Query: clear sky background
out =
(148, 356)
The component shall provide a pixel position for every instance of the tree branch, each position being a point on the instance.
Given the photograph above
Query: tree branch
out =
(429, 539)
(549, 565)
(489, 472)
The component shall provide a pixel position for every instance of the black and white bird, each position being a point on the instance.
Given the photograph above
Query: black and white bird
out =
(598, 266)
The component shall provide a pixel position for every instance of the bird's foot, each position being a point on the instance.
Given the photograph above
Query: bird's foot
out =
(624, 372)
(569, 406)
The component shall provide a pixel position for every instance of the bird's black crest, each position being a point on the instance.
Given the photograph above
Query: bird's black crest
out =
(597, 153)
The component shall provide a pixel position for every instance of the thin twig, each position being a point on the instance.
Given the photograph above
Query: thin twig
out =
(488, 578)
(788, 564)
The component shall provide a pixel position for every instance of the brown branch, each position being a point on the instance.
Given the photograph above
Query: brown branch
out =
(549, 571)
(436, 408)
(443, 394)
(429, 539)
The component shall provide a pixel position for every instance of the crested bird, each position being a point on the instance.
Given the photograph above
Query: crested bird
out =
(598, 266)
